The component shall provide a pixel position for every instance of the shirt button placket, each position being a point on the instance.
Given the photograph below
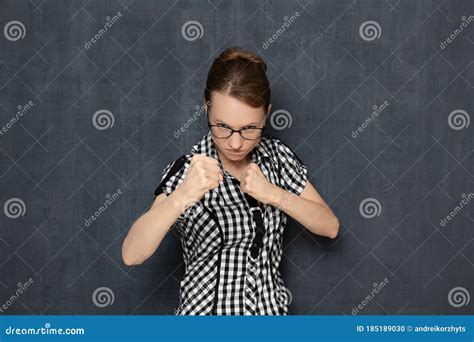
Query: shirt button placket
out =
(251, 287)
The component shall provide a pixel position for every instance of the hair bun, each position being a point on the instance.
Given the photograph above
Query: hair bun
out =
(240, 74)
(236, 53)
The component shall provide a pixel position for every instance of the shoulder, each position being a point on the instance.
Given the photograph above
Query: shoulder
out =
(176, 169)
(171, 176)
(179, 164)
(279, 150)
(174, 172)
(174, 165)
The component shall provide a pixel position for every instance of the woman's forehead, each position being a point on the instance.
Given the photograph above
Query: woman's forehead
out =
(232, 111)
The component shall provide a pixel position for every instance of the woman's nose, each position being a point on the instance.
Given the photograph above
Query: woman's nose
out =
(235, 141)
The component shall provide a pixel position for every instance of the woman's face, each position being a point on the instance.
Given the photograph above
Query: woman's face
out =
(233, 113)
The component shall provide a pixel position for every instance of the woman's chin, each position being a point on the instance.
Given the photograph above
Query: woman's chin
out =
(235, 157)
(239, 159)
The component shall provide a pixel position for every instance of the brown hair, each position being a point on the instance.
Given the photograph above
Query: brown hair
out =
(240, 74)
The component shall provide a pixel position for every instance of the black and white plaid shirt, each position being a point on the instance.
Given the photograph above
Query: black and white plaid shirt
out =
(221, 276)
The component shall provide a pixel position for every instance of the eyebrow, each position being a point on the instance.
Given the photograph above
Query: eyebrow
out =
(250, 124)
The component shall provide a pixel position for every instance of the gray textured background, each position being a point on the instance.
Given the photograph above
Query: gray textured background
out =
(413, 160)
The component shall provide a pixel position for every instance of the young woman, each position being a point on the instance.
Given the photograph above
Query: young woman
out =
(229, 198)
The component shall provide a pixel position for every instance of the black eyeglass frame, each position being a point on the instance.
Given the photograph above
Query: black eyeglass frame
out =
(232, 130)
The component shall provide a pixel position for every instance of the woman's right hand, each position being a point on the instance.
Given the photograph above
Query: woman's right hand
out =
(202, 175)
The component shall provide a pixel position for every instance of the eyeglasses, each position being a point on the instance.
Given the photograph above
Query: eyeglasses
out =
(221, 131)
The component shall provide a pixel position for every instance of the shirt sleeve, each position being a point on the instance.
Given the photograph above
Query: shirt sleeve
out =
(171, 176)
(162, 188)
(293, 172)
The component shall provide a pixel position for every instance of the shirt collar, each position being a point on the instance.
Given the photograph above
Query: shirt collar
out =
(207, 147)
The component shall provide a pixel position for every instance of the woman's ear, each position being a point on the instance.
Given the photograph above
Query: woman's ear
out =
(206, 106)
(269, 109)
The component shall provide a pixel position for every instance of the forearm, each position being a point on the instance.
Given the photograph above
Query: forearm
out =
(314, 216)
(148, 231)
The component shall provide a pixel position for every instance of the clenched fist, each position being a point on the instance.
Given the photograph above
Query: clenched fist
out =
(254, 183)
(202, 175)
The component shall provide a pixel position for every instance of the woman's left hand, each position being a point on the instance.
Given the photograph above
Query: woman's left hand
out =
(254, 183)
